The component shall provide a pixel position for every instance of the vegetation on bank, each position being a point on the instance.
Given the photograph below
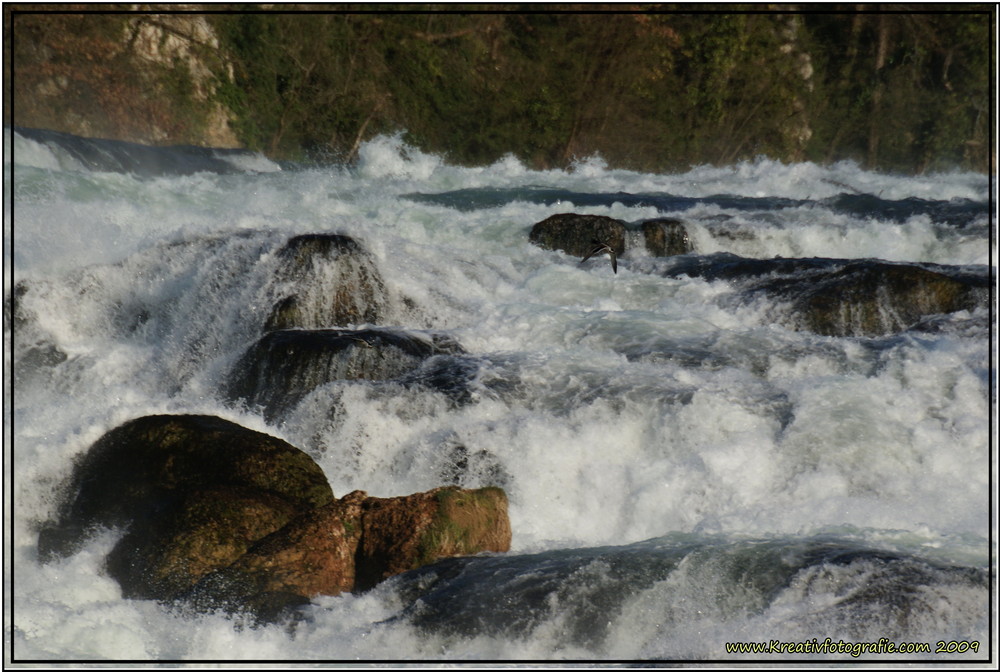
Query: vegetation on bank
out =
(905, 90)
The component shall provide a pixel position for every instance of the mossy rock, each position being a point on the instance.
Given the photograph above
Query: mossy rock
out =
(846, 297)
(352, 544)
(877, 299)
(283, 366)
(312, 555)
(207, 530)
(146, 467)
(404, 533)
(334, 282)
(666, 237)
(467, 522)
(577, 234)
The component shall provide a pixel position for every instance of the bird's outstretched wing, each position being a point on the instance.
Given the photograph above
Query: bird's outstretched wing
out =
(594, 252)
(602, 248)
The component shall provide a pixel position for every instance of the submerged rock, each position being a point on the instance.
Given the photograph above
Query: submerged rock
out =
(333, 281)
(33, 349)
(283, 366)
(153, 468)
(847, 297)
(577, 234)
(666, 237)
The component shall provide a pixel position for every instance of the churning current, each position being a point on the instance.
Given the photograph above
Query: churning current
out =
(694, 466)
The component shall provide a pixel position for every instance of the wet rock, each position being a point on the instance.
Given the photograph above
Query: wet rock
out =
(333, 281)
(460, 465)
(876, 299)
(845, 297)
(206, 530)
(666, 237)
(312, 555)
(283, 366)
(220, 516)
(354, 543)
(33, 349)
(576, 235)
(403, 533)
(726, 266)
(143, 472)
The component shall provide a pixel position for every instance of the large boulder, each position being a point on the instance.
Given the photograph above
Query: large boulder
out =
(353, 544)
(314, 554)
(666, 237)
(149, 468)
(165, 555)
(283, 366)
(403, 533)
(578, 234)
(866, 299)
(847, 297)
(329, 280)
(220, 516)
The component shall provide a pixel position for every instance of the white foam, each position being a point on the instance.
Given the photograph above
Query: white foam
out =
(255, 162)
(776, 432)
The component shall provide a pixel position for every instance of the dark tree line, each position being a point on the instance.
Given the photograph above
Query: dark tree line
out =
(903, 88)
(907, 89)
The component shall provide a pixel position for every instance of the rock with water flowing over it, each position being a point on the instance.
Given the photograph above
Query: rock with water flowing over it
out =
(151, 472)
(283, 366)
(353, 544)
(34, 349)
(578, 234)
(331, 281)
(666, 237)
(847, 297)
(221, 516)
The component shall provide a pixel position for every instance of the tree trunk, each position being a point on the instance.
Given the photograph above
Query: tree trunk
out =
(878, 91)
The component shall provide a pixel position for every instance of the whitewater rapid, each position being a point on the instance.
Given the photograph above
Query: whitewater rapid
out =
(618, 411)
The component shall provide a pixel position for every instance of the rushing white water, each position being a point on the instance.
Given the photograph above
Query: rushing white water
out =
(613, 408)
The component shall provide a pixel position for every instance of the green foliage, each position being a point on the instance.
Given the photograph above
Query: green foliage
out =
(924, 105)
(906, 91)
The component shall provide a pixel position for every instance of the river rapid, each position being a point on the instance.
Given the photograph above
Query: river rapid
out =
(686, 472)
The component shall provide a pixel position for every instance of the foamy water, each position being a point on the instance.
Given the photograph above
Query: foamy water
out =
(613, 408)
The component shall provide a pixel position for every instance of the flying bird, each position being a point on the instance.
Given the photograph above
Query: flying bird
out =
(602, 248)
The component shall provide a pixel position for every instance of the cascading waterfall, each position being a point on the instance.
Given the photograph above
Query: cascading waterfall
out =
(690, 466)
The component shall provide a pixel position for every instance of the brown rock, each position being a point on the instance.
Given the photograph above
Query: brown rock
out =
(334, 281)
(847, 297)
(210, 529)
(403, 533)
(666, 237)
(312, 555)
(140, 473)
(880, 299)
(353, 544)
(223, 516)
(577, 234)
